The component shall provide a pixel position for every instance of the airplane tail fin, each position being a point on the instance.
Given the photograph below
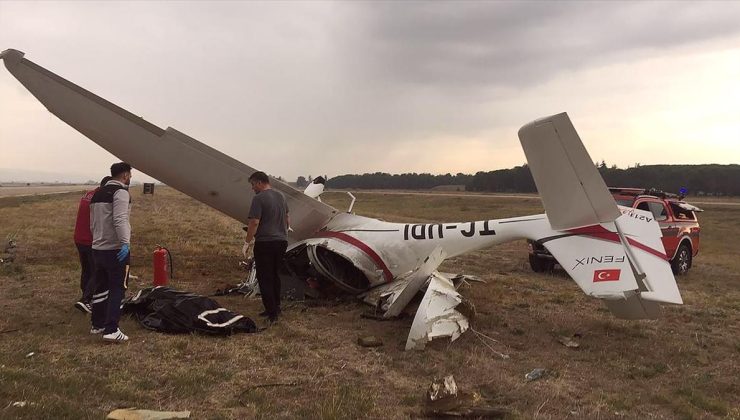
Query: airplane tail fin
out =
(612, 254)
(572, 190)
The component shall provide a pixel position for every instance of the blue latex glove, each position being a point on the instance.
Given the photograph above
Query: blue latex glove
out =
(123, 253)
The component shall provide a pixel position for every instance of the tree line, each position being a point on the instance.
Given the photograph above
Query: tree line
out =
(697, 179)
(409, 181)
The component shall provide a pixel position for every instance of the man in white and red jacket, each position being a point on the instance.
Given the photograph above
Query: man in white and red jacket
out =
(83, 241)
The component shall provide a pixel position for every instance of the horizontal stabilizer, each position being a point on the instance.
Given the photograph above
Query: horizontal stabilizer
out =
(601, 268)
(623, 263)
(572, 191)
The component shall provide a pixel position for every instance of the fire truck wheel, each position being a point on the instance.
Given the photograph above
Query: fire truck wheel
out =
(681, 263)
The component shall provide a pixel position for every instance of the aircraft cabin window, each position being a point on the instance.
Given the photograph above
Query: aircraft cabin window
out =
(659, 211)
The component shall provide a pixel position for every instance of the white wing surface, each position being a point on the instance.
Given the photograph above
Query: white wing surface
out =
(170, 156)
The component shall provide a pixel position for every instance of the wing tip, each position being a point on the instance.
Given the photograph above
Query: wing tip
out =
(11, 56)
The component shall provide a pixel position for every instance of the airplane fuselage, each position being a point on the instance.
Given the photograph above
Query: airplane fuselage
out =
(386, 251)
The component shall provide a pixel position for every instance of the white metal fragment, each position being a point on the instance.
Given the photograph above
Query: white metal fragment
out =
(418, 279)
(393, 297)
(437, 316)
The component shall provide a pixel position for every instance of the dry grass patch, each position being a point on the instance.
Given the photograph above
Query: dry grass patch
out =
(684, 365)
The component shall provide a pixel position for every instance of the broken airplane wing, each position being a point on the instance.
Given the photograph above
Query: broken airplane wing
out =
(170, 156)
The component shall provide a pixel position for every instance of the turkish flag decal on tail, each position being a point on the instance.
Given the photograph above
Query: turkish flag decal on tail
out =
(606, 275)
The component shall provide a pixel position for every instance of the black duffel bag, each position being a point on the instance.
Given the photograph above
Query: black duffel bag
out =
(172, 311)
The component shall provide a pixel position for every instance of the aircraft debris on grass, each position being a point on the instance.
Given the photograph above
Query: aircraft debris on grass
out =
(387, 264)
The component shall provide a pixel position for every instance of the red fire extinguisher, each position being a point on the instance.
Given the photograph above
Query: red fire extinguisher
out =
(162, 260)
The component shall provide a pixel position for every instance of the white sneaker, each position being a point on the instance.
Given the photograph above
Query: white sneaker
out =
(94, 330)
(84, 307)
(115, 337)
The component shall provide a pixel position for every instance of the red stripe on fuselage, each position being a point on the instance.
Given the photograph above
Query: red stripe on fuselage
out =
(362, 247)
(600, 232)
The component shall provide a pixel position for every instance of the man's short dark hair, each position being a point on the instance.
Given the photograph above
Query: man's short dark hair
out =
(259, 176)
(104, 180)
(119, 168)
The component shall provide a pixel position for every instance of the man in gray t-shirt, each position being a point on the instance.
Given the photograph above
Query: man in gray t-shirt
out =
(268, 226)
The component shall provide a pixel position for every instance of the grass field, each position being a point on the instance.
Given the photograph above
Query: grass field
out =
(22, 190)
(684, 365)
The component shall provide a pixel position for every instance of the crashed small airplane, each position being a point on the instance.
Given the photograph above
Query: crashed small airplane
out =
(384, 263)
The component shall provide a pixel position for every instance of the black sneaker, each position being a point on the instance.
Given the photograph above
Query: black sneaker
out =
(267, 314)
(83, 307)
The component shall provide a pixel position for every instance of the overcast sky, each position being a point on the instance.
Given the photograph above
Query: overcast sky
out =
(298, 88)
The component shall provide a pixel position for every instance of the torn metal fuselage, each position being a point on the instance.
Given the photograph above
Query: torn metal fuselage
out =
(387, 264)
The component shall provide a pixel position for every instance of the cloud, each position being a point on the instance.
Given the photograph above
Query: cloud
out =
(308, 87)
(488, 45)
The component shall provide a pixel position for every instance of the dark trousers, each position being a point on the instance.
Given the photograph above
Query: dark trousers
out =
(87, 283)
(268, 257)
(111, 281)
